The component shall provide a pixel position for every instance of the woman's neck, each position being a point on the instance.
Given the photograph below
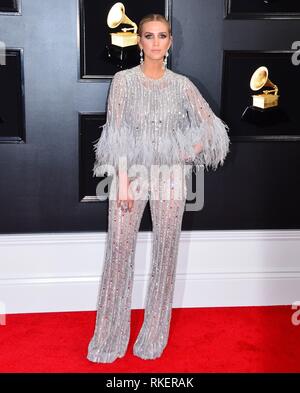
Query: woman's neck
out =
(153, 70)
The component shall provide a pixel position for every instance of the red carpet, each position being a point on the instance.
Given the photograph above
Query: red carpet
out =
(233, 339)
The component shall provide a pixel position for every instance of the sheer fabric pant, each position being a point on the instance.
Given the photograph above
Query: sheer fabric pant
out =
(112, 328)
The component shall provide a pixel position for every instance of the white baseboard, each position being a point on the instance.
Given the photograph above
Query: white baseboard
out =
(61, 272)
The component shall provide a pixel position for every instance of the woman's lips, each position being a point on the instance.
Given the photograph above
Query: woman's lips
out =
(155, 50)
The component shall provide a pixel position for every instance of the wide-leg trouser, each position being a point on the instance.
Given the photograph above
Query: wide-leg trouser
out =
(112, 329)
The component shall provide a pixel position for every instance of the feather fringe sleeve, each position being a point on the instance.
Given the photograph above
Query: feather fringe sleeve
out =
(205, 128)
(114, 139)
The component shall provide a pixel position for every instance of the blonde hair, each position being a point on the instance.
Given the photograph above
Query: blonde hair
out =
(150, 18)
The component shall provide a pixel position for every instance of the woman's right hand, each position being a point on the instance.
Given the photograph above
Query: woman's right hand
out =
(125, 198)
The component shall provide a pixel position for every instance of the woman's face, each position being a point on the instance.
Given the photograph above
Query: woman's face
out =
(155, 40)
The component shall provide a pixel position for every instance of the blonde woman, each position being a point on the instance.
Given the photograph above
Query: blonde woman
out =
(155, 117)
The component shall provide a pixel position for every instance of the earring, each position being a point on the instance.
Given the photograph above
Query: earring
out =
(165, 60)
(141, 57)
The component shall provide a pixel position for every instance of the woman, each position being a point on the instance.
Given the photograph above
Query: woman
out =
(155, 117)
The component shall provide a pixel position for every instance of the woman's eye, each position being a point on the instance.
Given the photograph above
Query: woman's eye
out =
(162, 36)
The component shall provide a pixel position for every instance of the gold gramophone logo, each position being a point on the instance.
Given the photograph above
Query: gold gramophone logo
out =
(125, 37)
(265, 109)
(268, 98)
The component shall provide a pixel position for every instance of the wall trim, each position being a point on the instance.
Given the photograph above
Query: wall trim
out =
(61, 271)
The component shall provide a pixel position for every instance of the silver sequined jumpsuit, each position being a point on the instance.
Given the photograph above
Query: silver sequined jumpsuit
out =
(149, 122)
